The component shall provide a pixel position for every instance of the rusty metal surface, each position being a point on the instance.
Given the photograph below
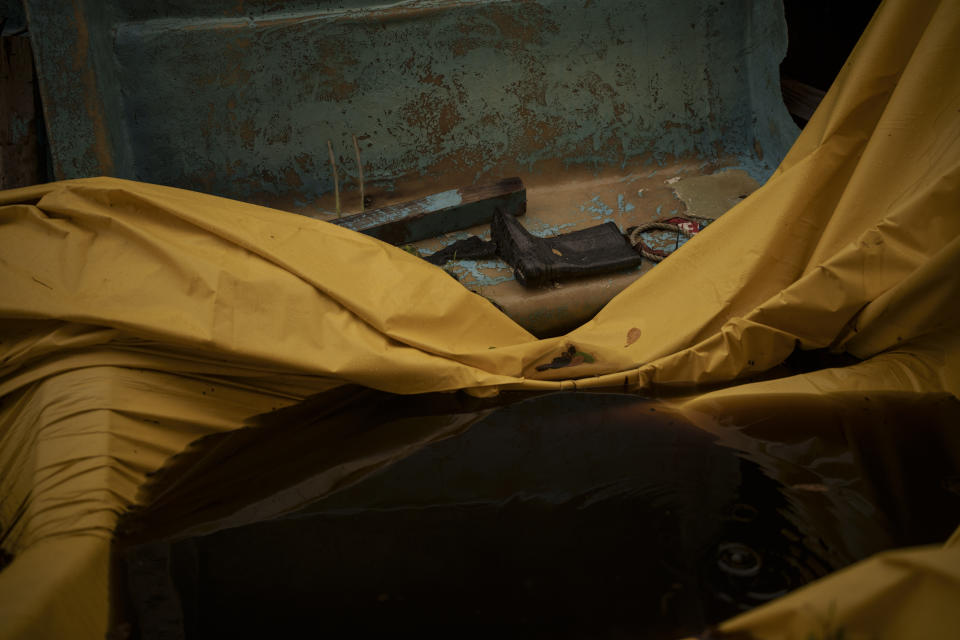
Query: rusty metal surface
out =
(80, 108)
(239, 98)
(21, 160)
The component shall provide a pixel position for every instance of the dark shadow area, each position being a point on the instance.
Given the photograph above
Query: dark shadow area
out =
(821, 35)
(574, 515)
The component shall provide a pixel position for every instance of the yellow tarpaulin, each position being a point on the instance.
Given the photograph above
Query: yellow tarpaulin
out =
(135, 319)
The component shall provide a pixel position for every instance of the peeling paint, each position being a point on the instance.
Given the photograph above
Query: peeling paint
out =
(486, 273)
(212, 96)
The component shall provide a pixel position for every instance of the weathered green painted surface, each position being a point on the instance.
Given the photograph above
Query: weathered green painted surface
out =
(239, 98)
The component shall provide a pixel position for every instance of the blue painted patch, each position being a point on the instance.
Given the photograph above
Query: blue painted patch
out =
(543, 229)
(442, 200)
(472, 268)
(597, 208)
(664, 240)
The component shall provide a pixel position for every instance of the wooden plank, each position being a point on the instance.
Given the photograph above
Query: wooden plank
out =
(801, 99)
(439, 213)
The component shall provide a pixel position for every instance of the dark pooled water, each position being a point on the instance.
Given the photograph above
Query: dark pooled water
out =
(584, 515)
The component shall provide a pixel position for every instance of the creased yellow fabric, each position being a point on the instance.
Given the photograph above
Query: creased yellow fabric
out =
(906, 593)
(135, 319)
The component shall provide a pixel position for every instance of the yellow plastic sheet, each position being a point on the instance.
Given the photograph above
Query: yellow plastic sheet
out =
(136, 319)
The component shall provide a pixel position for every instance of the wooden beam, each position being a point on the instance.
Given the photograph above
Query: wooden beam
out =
(439, 213)
(801, 99)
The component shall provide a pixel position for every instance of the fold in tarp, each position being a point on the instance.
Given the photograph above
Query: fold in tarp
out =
(905, 593)
(136, 319)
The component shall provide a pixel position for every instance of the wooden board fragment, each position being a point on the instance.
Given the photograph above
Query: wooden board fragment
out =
(439, 213)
